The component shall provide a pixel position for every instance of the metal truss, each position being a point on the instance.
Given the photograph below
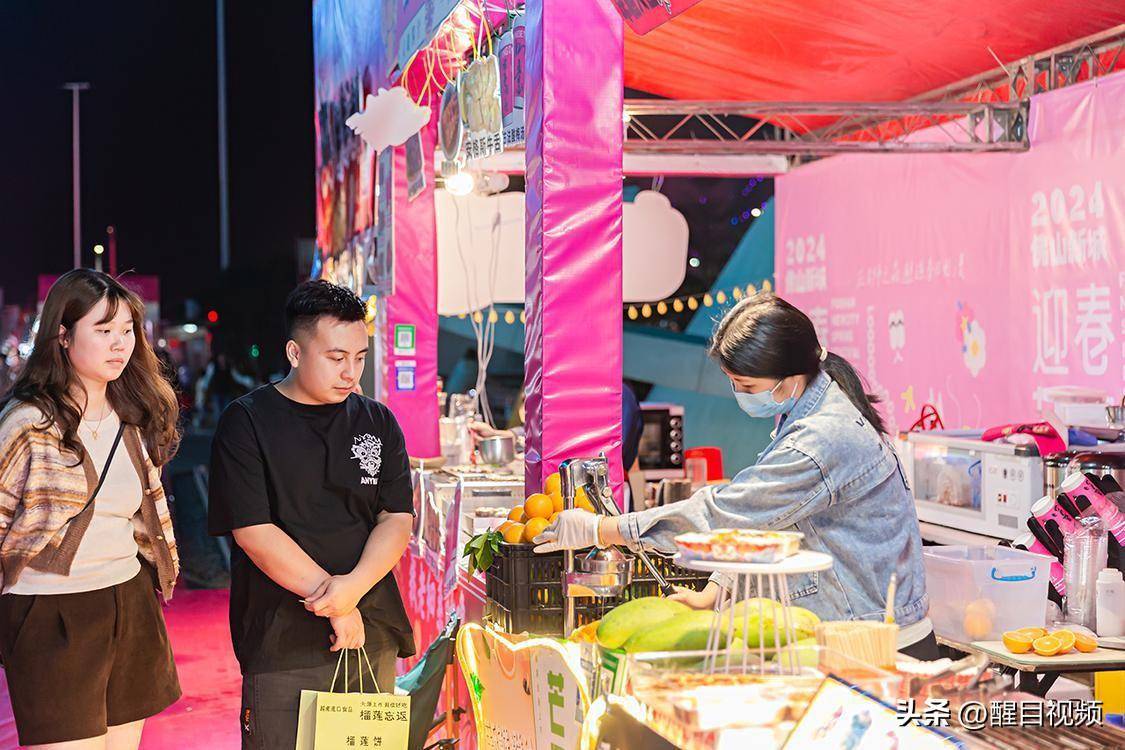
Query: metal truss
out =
(1091, 57)
(798, 129)
(985, 113)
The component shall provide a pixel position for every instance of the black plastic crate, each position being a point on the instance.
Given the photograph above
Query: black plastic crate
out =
(525, 589)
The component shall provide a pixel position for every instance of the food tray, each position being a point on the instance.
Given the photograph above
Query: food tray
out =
(739, 545)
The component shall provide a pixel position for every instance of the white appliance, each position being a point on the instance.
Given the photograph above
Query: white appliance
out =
(962, 482)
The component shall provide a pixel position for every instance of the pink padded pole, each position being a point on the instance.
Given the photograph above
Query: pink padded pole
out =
(572, 351)
(414, 302)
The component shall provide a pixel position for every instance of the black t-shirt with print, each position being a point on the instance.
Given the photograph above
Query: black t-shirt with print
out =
(322, 474)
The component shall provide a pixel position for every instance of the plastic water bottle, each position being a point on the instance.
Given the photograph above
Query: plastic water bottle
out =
(1110, 603)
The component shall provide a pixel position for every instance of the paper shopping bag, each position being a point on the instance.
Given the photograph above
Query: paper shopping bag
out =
(343, 721)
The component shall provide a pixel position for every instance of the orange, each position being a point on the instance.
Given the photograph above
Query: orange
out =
(553, 518)
(1033, 633)
(977, 624)
(504, 526)
(557, 501)
(517, 514)
(1066, 640)
(514, 533)
(553, 485)
(1046, 646)
(1017, 642)
(582, 501)
(538, 506)
(533, 528)
(1085, 643)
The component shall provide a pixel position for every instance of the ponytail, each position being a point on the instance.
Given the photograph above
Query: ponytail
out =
(850, 382)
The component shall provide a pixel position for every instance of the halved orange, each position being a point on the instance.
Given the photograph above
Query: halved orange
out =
(1066, 639)
(1085, 643)
(1046, 646)
(1017, 642)
(517, 514)
(1033, 633)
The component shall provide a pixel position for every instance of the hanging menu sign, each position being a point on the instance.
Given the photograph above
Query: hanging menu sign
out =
(379, 250)
(511, 53)
(645, 15)
(479, 85)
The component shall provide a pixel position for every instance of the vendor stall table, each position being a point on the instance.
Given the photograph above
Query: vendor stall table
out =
(1037, 674)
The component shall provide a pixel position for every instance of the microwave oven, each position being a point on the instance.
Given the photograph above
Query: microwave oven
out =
(661, 450)
(962, 482)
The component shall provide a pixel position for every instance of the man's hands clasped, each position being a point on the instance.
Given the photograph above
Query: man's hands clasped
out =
(336, 598)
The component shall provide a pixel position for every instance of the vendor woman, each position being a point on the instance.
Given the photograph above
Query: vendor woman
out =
(829, 472)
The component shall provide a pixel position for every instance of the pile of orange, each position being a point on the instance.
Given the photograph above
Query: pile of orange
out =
(1055, 643)
(527, 521)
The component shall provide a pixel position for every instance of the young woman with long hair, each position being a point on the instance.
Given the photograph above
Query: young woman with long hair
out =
(85, 535)
(829, 472)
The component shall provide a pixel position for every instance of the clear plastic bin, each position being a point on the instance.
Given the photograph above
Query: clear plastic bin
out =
(978, 593)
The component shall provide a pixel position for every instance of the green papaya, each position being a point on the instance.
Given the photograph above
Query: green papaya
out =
(762, 616)
(623, 621)
(804, 652)
(685, 632)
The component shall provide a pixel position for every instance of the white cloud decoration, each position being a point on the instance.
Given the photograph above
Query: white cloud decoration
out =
(389, 118)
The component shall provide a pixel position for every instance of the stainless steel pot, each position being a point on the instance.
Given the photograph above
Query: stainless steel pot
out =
(1056, 468)
(1115, 415)
(1100, 464)
(498, 450)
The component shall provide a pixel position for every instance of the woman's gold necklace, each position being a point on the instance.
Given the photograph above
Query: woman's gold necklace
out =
(94, 430)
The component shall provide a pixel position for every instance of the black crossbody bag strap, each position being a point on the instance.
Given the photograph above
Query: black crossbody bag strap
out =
(105, 469)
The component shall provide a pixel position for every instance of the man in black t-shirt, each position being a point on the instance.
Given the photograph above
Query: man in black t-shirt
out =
(313, 481)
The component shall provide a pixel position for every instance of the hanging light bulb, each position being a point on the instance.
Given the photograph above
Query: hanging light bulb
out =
(661, 308)
(708, 300)
(523, 316)
(477, 317)
(632, 312)
(509, 317)
(646, 311)
(678, 306)
(767, 286)
(461, 183)
(461, 316)
(750, 290)
(737, 293)
(493, 316)
(692, 303)
(721, 297)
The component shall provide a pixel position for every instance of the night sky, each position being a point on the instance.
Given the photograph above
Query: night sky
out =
(149, 145)
(149, 153)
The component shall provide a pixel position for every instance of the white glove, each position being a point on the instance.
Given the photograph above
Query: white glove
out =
(573, 529)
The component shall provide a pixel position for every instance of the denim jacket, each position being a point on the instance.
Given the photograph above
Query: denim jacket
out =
(829, 474)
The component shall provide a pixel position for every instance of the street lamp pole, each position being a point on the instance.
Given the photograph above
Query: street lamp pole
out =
(224, 199)
(111, 234)
(75, 90)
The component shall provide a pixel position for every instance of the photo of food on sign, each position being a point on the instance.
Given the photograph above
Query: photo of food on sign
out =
(480, 96)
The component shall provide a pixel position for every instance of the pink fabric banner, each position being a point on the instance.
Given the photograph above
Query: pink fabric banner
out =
(409, 338)
(970, 281)
(572, 350)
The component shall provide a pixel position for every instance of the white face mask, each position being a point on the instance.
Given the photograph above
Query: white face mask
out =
(761, 405)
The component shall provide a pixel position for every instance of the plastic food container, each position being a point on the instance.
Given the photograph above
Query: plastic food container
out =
(978, 593)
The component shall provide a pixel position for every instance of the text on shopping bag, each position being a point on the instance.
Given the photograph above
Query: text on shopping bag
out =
(342, 721)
